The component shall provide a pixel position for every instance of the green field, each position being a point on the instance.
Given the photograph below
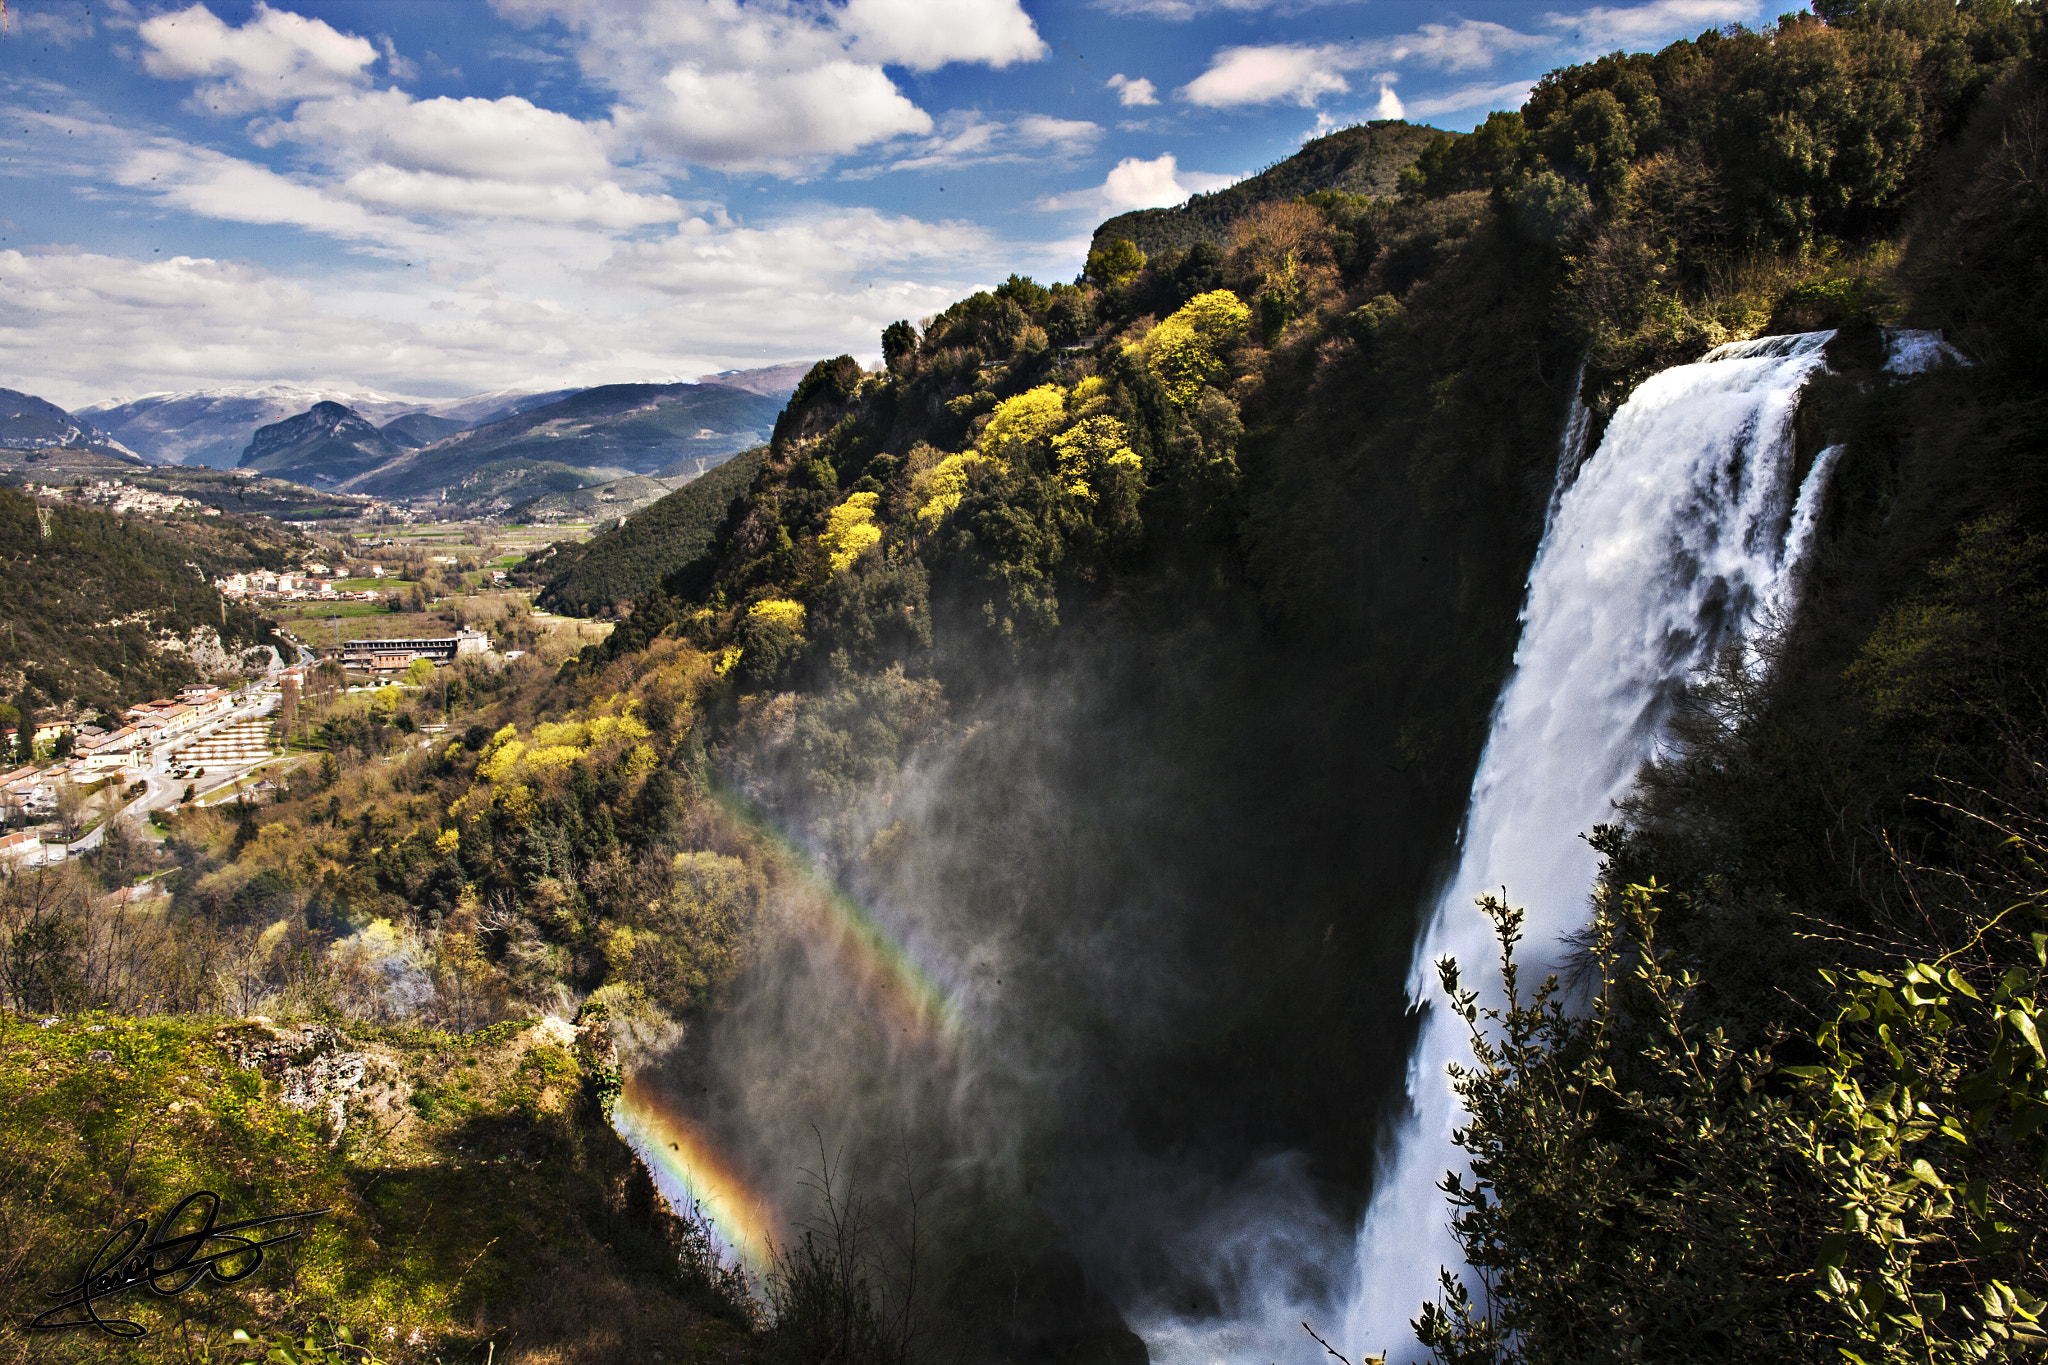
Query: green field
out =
(322, 610)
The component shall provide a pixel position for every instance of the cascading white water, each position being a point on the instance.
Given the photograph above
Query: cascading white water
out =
(1571, 446)
(1675, 538)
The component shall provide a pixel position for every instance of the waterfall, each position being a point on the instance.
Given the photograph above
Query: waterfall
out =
(1677, 536)
(1571, 446)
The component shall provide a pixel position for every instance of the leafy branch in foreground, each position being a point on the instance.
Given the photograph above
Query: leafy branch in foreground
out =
(1642, 1190)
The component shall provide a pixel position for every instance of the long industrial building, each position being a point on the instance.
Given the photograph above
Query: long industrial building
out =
(387, 656)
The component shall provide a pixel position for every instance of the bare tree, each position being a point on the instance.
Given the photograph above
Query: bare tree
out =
(42, 911)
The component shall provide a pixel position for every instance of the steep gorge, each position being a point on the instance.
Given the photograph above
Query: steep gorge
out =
(1155, 783)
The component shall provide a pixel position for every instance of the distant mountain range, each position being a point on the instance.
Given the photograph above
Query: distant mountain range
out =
(770, 381)
(489, 451)
(214, 426)
(321, 447)
(30, 423)
(615, 428)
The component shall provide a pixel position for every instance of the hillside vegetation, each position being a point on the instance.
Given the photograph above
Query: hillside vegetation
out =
(106, 611)
(1366, 160)
(621, 563)
(476, 1199)
(1133, 692)
(613, 498)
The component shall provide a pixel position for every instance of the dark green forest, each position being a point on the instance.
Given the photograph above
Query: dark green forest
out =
(1134, 640)
(620, 564)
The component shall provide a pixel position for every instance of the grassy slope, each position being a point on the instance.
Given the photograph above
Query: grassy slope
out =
(620, 497)
(505, 483)
(477, 1199)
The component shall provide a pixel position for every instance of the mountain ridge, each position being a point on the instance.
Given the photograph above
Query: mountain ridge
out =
(31, 423)
(640, 428)
(327, 444)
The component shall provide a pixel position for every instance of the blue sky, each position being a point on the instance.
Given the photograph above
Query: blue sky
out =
(439, 197)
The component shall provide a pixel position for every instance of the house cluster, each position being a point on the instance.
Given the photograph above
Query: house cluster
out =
(126, 499)
(313, 581)
(147, 730)
(361, 510)
(27, 795)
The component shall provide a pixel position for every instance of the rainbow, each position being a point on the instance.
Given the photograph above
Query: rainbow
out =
(689, 1170)
(891, 977)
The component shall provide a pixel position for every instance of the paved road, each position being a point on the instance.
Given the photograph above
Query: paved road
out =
(164, 792)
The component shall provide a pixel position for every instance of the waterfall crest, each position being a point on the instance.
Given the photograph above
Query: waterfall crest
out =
(1677, 536)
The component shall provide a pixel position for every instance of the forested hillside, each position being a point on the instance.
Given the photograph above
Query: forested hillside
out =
(1313, 465)
(1020, 800)
(619, 565)
(106, 611)
(1366, 160)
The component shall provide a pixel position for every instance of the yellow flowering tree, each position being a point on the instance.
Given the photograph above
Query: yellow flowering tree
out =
(1024, 422)
(781, 611)
(849, 529)
(1092, 445)
(1186, 350)
(945, 485)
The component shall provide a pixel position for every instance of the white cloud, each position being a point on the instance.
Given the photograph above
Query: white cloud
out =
(1281, 71)
(1188, 9)
(1389, 104)
(1136, 184)
(1067, 134)
(604, 205)
(761, 120)
(711, 255)
(227, 189)
(62, 24)
(713, 294)
(1304, 75)
(966, 137)
(1512, 95)
(470, 158)
(1465, 46)
(401, 68)
(454, 273)
(1132, 92)
(1633, 25)
(276, 58)
(777, 85)
(80, 325)
(504, 139)
(925, 36)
